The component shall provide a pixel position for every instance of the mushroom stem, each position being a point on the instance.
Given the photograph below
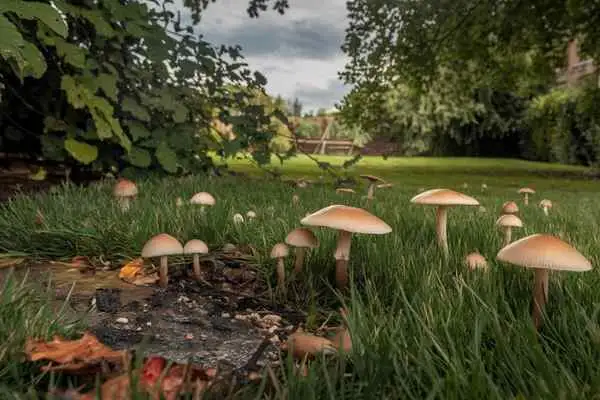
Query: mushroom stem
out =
(197, 270)
(280, 269)
(545, 210)
(526, 199)
(540, 296)
(124, 203)
(163, 272)
(342, 255)
(300, 253)
(442, 217)
(507, 235)
(371, 191)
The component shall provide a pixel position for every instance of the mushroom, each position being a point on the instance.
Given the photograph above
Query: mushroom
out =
(342, 339)
(251, 214)
(162, 245)
(543, 253)
(306, 345)
(476, 261)
(295, 199)
(484, 187)
(347, 220)
(301, 239)
(443, 198)
(507, 222)
(526, 192)
(344, 190)
(203, 199)
(546, 205)
(125, 190)
(238, 219)
(372, 183)
(280, 251)
(510, 207)
(195, 247)
(179, 202)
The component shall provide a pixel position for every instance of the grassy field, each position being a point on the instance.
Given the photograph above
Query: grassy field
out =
(422, 326)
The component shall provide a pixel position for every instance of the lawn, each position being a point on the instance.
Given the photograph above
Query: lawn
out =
(422, 326)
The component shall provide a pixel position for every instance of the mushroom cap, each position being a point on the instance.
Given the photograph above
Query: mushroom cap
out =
(125, 188)
(546, 203)
(346, 218)
(195, 246)
(444, 197)
(509, 220)
(161, 245)
(251, 214)
(302, 237)
(546, 252)
(510, 207)
(345, 190)
(526, 190)
(203, 198)
(476, 261)
(372, 178)
(280, 250)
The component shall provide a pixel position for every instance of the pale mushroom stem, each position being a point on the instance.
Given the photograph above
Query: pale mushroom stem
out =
(545, 210)
(371, 191)
(124, 203)
(342, 255)
(540, 296)
(300, 253)
(163, 278)
(442, 217)
(507, 235)
(526, 199)
(280, 269)
(197, 270)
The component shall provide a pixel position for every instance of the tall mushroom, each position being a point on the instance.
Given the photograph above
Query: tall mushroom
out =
(546, 205)
(162, 245)
(279, 252)
(195, 247)
(203, 199)
(510, 207)
(526, 192)
(443, 199)
(506, 223)
(302, 239)
(124, 191)
(543, 253)
(373, 180)
(347, 220)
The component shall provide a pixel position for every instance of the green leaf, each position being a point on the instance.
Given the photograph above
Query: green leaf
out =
(26, 58)
(131, 106)
(108, 84)
(35, 10)
(81, 151)
(139, 157)
(137, 130)
(166, 157)
(71, 54)
(52, 147)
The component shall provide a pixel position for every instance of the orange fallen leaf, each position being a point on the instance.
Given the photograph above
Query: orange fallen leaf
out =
(306, 345)
(133, 272)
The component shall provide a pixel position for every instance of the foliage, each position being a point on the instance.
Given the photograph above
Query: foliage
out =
(120, 85)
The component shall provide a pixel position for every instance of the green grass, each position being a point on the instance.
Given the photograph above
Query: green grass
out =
(422, 327)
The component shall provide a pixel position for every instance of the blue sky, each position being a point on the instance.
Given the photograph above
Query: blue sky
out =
(298, 52)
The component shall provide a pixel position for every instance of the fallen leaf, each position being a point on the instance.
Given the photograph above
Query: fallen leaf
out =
(133, 272)
(306, 345)
(10, 262)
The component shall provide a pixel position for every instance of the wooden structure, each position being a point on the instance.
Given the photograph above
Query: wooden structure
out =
(576, 68)
(323, 144)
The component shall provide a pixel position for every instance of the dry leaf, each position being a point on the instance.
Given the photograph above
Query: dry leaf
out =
(10, 262)
(306, 345)
(133, 272)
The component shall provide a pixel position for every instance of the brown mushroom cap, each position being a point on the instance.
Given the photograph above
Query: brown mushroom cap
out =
(545, 252)
(546, 203)
(510, 207)
(161, 245)
(372, 178)
(526, 190)
(444, 197)
(346, 218)
(509, 220)
(302, 237)
(203, 198)
(476, 261)
(125, 188)
(280, 250)
(195, 246)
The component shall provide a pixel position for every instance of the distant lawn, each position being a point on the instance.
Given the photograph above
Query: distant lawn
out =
(425, 171)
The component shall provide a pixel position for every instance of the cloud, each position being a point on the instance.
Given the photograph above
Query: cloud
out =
(298, 52)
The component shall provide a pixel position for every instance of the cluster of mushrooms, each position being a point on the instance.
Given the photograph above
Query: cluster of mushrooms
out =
(541, 252)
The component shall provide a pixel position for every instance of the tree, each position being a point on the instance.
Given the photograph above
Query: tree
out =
(296, 107)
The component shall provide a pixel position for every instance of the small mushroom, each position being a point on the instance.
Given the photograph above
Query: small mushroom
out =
(251, 214)
(526, 192)
(342, 339)
(506, 223)
(373, 180)
(484, 187)
(546, 205)
(443, 199)
(543, 253)
(203, 199)
(510, 207)
(295, 199)
(124, 191)
(476, 261)
(279, 252)
(346, 220)
(179, 202)
(195, 247)
(238, 219)
(344, 190)
(302, 239)
(162, 245)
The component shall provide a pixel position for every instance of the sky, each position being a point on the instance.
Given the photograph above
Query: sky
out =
(298, 52)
